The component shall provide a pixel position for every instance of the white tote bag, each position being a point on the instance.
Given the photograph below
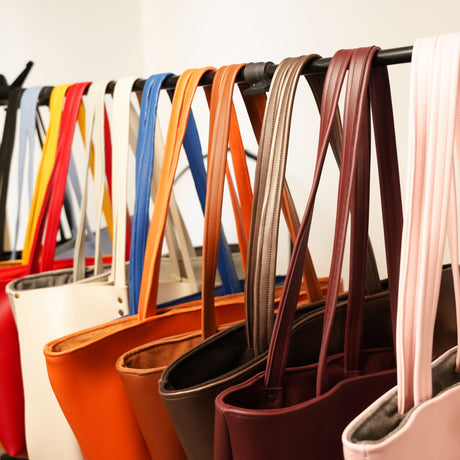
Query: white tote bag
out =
(49, 305)
(420, 418)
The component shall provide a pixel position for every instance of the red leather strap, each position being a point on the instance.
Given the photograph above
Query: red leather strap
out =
(70, 114)
(56, 186)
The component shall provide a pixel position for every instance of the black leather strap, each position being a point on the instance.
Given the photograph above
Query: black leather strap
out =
(6, 152)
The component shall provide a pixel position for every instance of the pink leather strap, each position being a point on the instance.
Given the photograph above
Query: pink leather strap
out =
(430, 212)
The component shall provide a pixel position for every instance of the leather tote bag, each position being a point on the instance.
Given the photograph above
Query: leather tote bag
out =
(141, 367)
(81, 366)
(420, 417)
(12, 428)
(191, 383)
(307, 406)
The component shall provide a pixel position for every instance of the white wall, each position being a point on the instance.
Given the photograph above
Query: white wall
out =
(68, 42)
(71, 41)
(90, 39)
(183, 34)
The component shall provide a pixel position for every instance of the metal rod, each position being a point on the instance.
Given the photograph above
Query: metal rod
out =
(382, 57)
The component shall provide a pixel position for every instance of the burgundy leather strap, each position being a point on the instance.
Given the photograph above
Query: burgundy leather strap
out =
(54, 194)
(390, 191)
(279, 345)
(356, 114)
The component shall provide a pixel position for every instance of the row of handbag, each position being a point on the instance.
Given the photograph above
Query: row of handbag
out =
(221, 376)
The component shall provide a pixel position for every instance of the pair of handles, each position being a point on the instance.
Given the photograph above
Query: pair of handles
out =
(353, 195)
(149, 135)
(430, 212)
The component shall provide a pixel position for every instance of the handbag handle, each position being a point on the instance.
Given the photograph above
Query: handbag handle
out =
(6, 152)
(223, 130)
(94, 144)
(150, 141)
(60, 172)
(28, 107)
(351, 148)
(183, 96)
(260, 299)
(430, 212)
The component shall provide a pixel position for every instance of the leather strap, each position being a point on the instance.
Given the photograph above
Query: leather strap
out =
(150, 141)
(6, 152)
(94, 142)
(430, 211)
(183, 96)
(268, 186)
(56, 197)
(223, 130)
(120, 155)
(28, 106)
(355, 150)
(45, 169)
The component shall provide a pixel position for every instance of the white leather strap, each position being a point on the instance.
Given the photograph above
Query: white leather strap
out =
(120, 150)
(94, 136)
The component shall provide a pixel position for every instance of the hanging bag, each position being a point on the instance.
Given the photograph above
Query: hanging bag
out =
(420, 417)
(42, 303)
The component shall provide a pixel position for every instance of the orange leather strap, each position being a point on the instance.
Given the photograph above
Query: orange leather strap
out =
(182, 101)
